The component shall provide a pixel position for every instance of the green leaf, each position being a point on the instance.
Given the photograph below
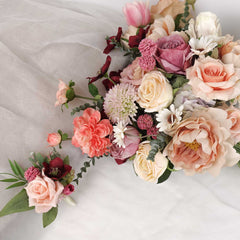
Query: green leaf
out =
(19, 169)
(13, 167)
(237, 147)
(70, 94)
(93, 89)
(86, 164)
(33, 161)
(9, 180)
(40, 159)
(19, 203)
(64, 136)
(49, 216)
(71, 84)
(166, 174)
(18, 184)
(66, 160)
(179, 81)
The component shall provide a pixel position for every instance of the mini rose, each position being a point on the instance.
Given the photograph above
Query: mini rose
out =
(69, 189)
(146, 169)
(155, 92)
(202, 143)
(137, 14)
(43, 193)
(173, 53)
(211, 79)
(54, 139)
(207, 24)
(61, 93)
(234, 116)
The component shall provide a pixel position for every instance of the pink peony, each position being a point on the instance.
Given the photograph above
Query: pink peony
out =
(147, 47)
(31, 173)
(147, 63)
(137, 14)
(54, 139)
(172, 54)
(211, 79)
(43, 193)
(203, 143)
(234, 116)
(145, 121)
(131, 141)
(133, 73)
(90, 133)
(61, 93)
(69, 189)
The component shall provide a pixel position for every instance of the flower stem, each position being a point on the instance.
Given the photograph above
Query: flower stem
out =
(87, 98)
(106, 75)
(70, 201)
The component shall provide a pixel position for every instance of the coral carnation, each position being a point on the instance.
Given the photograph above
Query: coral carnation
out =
(31, 174)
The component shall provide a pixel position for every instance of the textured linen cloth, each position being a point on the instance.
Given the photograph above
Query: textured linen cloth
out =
(42, 41)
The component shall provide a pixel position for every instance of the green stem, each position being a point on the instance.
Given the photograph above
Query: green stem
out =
(87, 98)
(172, 170)
(111, 80)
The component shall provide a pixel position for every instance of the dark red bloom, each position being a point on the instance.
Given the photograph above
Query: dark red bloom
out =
(56, 169)
(135, 40)
(69, 189)
(110, 45)
(120, 161)
(115, 76)
(102, 71)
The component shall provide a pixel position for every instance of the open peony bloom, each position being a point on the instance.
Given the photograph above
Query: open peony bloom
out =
(90, 133)
(211, 79)
(137, 14)
(203, 143)
(43, 193)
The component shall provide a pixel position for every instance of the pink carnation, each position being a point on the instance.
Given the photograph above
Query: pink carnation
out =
(147, 47)
(144, 122)
(147, 63)
(90, 133)
(31, 173)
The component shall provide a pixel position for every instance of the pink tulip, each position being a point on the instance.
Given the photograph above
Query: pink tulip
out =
(137, 14)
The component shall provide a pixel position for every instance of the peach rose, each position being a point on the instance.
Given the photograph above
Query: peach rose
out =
(212, 79)
(61, 93)
(230, 53)
(167, 7)
(161, 27)
(132, 74)
(54, 139)
(146, 169)
(155, 92)
(203, 143)
(43, 193)
(234, 116)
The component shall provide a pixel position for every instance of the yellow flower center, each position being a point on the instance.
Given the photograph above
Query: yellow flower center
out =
(194, 145)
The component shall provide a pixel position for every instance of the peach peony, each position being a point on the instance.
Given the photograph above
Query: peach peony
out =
(211, 79)
(90, 133)
(234, 116)
(43, 193)
(203, 143)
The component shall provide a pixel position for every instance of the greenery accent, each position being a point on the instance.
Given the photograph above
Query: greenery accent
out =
(166, 174)
(93, 90)
(19, 203)
(38, 159)
(49, 216)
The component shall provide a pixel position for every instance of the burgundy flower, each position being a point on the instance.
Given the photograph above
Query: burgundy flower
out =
(69, 189)
(115, 76)
(110, 45)
(134, 41)
(102, 71)
(56, 169)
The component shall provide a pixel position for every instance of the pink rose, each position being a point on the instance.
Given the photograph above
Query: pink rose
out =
(131, 141)
(54, 139)
(211, 79)
(133, 73)
(203, 143)
(69, 189)
(61, 93)
(234, 116)
(90, 133)
(172, 54)
(43, 193)
(137, 14)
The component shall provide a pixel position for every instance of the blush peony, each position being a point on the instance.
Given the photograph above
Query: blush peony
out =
(90, 133)
(203, 143)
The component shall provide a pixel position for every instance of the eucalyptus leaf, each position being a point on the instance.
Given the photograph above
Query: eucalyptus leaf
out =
(19, 203)
(49, 216)
(18, 184)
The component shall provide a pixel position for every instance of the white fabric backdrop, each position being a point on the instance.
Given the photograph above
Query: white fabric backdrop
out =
(42, 41)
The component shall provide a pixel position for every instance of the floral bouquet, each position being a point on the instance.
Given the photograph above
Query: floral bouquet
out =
(173, 107)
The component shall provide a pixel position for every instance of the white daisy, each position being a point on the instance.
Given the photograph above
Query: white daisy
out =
(168, 118)
(202, 45)
(118, 132)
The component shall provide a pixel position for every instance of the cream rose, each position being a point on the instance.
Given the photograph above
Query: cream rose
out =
(146, 169)
(155, 92)
(211, 79)
(203, 143)
(234, 116)
(230, 53)
(43, 193)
